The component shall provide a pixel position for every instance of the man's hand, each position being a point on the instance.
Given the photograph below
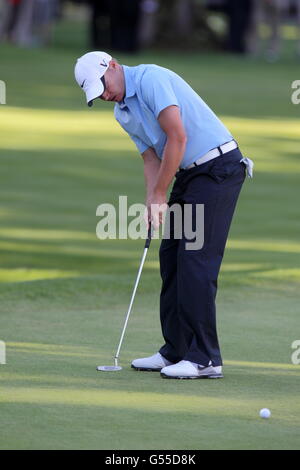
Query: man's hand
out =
(156, 205)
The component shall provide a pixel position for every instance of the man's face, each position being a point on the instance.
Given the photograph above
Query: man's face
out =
(114, 84)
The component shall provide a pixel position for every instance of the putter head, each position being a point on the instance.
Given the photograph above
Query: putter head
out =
(108, 368)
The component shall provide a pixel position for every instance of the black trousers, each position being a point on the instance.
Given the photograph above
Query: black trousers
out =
(189, 277)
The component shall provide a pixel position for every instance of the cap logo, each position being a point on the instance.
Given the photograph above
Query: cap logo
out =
(82, 84)
(103, 63)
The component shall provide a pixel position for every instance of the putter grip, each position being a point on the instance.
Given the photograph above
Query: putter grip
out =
(148, 240)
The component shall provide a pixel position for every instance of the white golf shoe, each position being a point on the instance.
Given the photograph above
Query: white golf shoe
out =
(191, 370)
(152, 363)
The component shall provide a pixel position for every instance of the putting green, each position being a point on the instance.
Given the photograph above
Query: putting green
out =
(64, 293)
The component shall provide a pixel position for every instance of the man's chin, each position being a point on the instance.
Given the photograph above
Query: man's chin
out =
(119, 98)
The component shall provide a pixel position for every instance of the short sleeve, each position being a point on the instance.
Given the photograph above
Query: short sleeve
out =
(141, 146)
(157, 91)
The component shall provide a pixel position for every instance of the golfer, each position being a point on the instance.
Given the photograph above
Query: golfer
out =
(179, 136)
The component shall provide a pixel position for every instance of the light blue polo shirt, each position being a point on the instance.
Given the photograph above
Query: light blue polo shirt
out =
(150, 89)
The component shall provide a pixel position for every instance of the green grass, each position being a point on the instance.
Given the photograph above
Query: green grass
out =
(64, 293)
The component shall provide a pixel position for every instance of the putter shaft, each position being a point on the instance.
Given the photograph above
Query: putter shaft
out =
(147, 244)
(130, 305)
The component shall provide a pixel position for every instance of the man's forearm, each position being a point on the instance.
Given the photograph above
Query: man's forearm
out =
(151, 168)
(158, 176)
(173, 154)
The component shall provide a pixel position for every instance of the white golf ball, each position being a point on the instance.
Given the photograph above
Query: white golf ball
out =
(265, 413)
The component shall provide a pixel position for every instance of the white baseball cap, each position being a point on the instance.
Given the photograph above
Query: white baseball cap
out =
(89, 71)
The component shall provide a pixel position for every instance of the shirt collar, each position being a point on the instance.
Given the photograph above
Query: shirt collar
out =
(129, 83)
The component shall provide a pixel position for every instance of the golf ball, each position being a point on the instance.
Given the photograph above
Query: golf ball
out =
(265, 413)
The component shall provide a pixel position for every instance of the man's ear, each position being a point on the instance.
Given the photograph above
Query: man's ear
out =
(113, 64)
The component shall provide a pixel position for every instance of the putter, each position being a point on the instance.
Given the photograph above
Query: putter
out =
(116, 366)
